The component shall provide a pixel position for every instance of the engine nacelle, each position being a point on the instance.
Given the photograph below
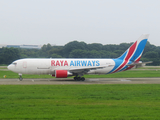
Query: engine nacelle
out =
(62, 74)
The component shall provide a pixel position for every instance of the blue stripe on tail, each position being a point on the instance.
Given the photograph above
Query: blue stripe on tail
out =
(139, 50)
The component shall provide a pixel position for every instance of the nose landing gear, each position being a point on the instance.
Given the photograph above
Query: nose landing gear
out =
(20, 77)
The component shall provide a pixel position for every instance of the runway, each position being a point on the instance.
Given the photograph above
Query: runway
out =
(87, 81)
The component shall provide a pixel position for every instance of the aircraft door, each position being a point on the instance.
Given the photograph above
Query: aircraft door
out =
(25, 64)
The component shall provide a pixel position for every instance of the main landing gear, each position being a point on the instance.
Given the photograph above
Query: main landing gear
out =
(79, 78)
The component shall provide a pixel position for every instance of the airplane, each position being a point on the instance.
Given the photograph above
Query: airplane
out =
(62, 68)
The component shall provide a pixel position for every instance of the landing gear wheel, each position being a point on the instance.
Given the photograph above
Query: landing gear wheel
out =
(75, 78)
(82, 78)
(79, 78)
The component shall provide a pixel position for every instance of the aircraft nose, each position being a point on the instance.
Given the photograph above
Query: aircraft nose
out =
(9, 67)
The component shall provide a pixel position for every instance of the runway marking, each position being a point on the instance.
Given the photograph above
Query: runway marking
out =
(93, 80)
(125, 80)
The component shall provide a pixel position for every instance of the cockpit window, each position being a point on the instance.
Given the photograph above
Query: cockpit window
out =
(14, 63)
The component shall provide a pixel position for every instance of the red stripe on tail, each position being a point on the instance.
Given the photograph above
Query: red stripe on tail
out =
(130, 53)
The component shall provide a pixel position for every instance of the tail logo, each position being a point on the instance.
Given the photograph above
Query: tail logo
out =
(133, 54)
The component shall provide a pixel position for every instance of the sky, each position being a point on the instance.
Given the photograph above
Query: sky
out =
(38, 22)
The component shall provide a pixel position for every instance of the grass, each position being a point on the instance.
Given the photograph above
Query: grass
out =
(10, 74)
(125, 74)
(129, 74)
(147, 71)
(80, 102)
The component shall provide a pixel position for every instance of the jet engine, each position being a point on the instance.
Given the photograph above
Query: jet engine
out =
(62, 74)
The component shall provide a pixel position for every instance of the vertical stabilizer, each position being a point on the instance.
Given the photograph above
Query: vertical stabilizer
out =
(134, 52)
(131, 55)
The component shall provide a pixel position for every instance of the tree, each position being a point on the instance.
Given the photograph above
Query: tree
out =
(9, 55)
(44, 52)
(69, 47)
(95, 46)
(77, 49)
(78, 53)
(55, 56)
(151, 54)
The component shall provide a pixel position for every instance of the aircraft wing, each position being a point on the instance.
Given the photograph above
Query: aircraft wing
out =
(86, 69)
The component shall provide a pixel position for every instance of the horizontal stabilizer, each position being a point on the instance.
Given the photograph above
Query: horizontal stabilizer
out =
(139, 63)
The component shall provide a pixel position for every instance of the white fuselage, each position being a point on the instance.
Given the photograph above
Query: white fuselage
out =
(48, 66)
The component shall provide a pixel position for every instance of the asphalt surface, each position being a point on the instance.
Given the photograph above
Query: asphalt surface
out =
(87, 81)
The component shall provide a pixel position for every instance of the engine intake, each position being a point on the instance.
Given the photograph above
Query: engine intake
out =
(62, 74)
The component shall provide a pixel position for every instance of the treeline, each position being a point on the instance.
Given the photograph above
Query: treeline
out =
(77, 49)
